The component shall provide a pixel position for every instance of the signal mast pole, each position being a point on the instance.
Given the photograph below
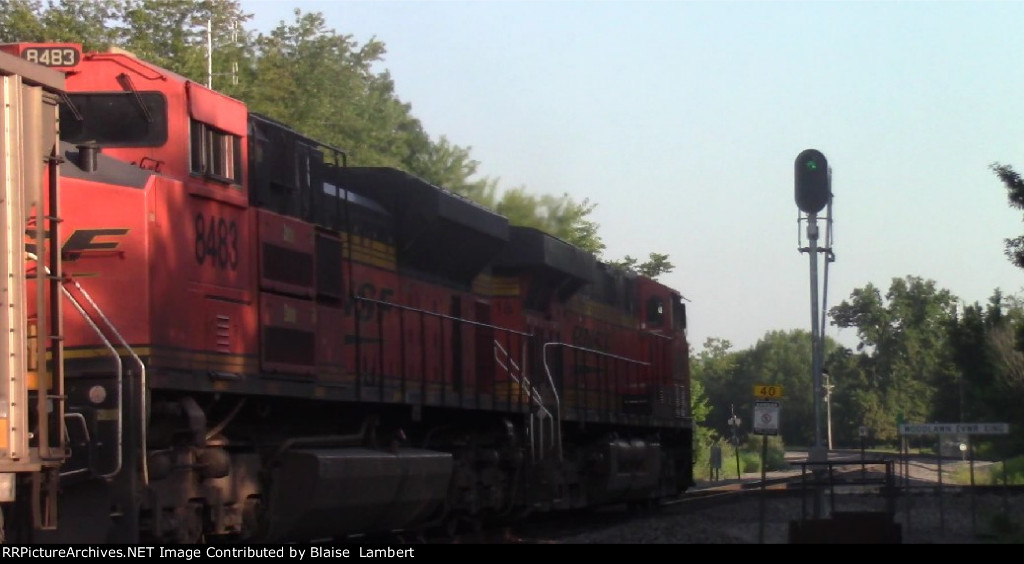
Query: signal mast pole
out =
(813, 192)
(812, 237)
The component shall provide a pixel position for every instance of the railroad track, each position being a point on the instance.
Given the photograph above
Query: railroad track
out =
(751, 511)
(788, 496)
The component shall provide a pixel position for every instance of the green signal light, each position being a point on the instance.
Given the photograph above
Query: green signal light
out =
(812, 165)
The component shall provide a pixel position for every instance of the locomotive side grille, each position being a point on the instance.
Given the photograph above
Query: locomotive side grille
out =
(328, 267)
(287, 266)
(289, 346)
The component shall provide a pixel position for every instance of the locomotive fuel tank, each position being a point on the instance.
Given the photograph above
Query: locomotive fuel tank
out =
(624, 470)
(320, 493)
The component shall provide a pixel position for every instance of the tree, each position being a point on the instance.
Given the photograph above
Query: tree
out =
(173, 33)
(1007, 392)
(656, 265)
(93, 24)
(562, 216)
(1013, 247)
(714, 367)
(783, 358)
(904, 338)
(986, 341)
(704, 436)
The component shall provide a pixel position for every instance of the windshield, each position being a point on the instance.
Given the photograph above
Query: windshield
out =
(115, 119)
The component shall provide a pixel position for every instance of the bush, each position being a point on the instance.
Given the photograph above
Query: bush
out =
(775, 454)
(1008, 472)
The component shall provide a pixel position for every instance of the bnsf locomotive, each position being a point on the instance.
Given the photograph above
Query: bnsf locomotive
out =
(220, 331)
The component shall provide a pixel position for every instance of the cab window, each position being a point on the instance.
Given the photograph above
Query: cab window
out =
(655, 311)
(216, 154)
(115, 119)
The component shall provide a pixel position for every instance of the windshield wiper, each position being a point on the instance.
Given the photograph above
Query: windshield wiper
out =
(126, 83)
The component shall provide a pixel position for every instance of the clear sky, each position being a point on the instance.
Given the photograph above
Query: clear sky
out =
(681, 120)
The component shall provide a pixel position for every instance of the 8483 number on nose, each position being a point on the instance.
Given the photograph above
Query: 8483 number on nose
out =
(216, 241)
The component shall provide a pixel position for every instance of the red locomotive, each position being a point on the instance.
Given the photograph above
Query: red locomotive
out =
(223, 332)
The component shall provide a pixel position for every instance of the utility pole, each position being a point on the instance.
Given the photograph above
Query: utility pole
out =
(828, 405)
(209, 54)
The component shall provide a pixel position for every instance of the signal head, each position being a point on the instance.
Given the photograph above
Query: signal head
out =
(812, 183)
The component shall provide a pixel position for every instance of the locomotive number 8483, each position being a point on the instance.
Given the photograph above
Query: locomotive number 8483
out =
(222, 331)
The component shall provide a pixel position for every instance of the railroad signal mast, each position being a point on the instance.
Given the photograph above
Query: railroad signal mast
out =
(813, 193)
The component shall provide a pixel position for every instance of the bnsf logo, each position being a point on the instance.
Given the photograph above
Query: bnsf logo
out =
(87, 240)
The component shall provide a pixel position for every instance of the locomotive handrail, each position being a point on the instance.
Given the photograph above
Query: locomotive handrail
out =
(144, 70)
(117, 359)
(659, 334)
(597, 352)
(441, 315)
(530, 389)
(142, 377)
(551, 380)
(142, 383)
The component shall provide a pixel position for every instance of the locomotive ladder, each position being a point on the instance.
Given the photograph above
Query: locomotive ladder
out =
(543, 425)
(32, 433)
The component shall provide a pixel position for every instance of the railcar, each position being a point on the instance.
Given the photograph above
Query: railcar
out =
(225, 332)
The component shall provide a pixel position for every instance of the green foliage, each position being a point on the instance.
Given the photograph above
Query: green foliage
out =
(93, 24)
(1008, 472)
(750, 462)
(656, 265)
(775, 457)
(1013, 247)
(704, 437)
(758, 453)
(781, 358)
(907, 350)
(748, 457)
(562, 217)
(714, 370)
(19, 21)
